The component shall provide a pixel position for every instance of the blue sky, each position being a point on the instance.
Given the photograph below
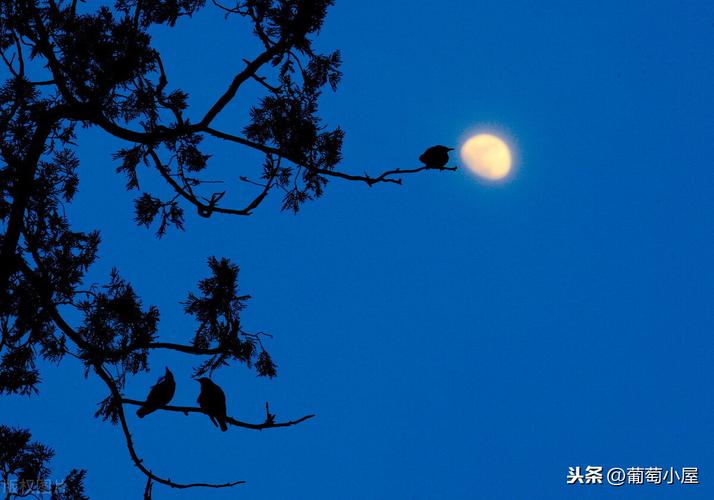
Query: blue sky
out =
(456, 339)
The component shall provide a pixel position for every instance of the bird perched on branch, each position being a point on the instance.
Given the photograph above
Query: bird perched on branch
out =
(436, 156)
(160, 394)
(212, 401)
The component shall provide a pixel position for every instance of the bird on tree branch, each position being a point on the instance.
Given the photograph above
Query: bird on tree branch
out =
(436, 157)
(160, 394)
(212, 400)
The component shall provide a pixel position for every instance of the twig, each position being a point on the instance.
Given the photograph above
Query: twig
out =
(147, 490)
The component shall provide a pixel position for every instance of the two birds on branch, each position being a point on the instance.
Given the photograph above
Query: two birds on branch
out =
(212, 399)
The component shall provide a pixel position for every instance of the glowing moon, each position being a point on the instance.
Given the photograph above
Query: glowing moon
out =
(487, 156)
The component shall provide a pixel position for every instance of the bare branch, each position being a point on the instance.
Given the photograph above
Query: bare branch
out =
(263, 81)
(387, 176)
(240, 78)
(268, 424)
(147, 489)
(186, 349)
(229, 10)
(207, 209)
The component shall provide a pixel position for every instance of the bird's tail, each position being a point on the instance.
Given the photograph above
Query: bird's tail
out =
(143, 411)
(223, 425)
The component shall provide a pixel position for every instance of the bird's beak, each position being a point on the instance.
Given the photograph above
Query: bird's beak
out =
(449, 149)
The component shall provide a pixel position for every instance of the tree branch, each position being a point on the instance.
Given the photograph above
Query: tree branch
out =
(42, 287)
(206, 209)
(186, 349)
(268, 424)
(386, 176)
(249, 71)
(147, 489)
(22, 190)
(138, 462)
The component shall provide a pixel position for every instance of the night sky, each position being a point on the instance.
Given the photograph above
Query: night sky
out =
(456, 338)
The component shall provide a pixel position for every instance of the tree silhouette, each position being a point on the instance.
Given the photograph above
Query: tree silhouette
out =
(24, 469)
(71, 64)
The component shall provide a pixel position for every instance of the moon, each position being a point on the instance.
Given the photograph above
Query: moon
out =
(487, 156)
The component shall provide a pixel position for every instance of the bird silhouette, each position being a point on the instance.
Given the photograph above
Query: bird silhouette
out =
(436, 156)
(159, 395)
(212, 401)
